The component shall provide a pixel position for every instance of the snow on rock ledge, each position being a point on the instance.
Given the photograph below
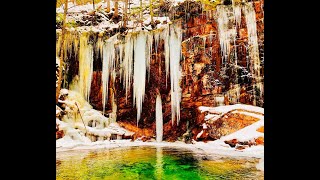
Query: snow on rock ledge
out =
(83, 125)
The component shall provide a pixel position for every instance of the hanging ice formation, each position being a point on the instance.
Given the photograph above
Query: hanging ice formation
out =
(99, 45)
(71, 42)
(134, 57)
(228, 20)
(141, 44)
(139, 72)
(108, 67)
(120, 57)
(127, 63)
(149, 52)
(226, 29)
(165, 36)
(175, 71)
(237, 12)
(85, 66)
(159, 119)
(250, 17)
(156, 36)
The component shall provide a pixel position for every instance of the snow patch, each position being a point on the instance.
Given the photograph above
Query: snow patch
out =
(248, 133)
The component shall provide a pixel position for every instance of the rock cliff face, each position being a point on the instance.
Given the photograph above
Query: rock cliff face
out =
(206, 79)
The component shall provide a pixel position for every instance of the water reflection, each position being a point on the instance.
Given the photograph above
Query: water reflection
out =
(151, 163)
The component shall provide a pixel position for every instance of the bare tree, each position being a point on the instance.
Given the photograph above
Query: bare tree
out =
(151, 11)
(108, 6)
(116, 8)
(141, 13)
(125, 15)
(61, 49)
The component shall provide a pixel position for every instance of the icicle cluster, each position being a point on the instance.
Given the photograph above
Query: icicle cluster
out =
(139, 71)
(165, 36)
(149, 52)
(127, 63)
(159, 119)
(71, 43)
(226, 29)
(175, 71)
(85, 66)
(99, 46)
(134, 59)
(156, 36)
(237, 12)
(108, 67)
(250, 17)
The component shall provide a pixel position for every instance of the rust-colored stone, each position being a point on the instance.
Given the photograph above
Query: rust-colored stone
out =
(201, 66)
(259, 141)
(240, 147)
(261, 129)
(232, 142)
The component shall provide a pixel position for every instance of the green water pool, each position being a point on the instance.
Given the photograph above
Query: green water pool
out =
(151, 163)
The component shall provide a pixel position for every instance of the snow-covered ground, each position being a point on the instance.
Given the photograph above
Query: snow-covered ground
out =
(214, 113)
(225, 109)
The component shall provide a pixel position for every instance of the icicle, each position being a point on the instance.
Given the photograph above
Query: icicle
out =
(237, 12)
(250, 17)
(139, 72)
(165, 37)
(156, 43)
(149, 51)
(99, 46)
(85, 66)
(108, 65)
(159, 119)
(76, 44)
(226, 33)
(121, 48)
(127, 63)
(175, 71)
(71, 38)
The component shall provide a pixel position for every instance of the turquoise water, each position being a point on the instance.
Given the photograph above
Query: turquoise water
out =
(151, 163)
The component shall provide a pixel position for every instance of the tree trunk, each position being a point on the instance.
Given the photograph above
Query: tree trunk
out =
(61, 50)
(116, 8)
(151, 11)
(108, 6)
(125, 16)
(141, 13)
(93, 5)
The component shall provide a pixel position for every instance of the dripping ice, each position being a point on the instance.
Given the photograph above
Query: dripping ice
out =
(108, 67)
(175, 71)
(85, 66)
(159, 119)
(139, 72)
